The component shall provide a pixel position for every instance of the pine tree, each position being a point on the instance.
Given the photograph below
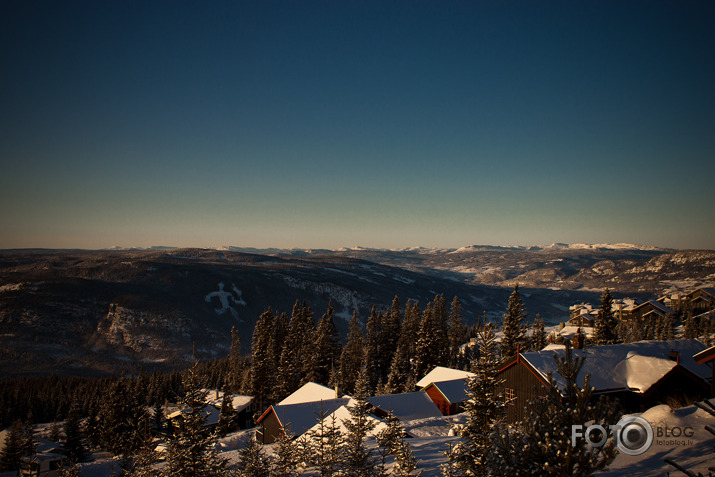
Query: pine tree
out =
(226, 415)
(262, 364)
(191, 449)
(393, 439)
(13, 450)
(352, 356)
(538, 337)
(541, 444)
(484, 408)
(235, 362)
(142, 462)
(425, 357)
(158, 419)
(325, 445)
(74, 446)
(252, 461)
(327, 348)
(359, 461)
(606, 326)
(690, 328)
(450, 468)
(288, 456)
(512, 325)
(371, 356)
(121, 415)
(457, 333)
(441, 349)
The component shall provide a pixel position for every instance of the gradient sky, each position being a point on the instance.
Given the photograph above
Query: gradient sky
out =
(338, 123)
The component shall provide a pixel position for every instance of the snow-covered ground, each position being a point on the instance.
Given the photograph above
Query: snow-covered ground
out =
(694, 453)
(431, 437)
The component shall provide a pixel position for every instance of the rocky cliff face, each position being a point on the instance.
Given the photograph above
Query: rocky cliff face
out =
(143, 332)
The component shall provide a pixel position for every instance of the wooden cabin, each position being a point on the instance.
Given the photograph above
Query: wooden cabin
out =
(639, 374)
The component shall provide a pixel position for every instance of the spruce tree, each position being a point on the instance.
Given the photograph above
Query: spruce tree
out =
(191, 449)
(606, 327)
(288, 456)
(393, 440)
(538, 336)
(359, 461)
(371, 356)
(325, 445)
(235, 362)
(262, 363)
(425, 357)
(327, 348)
(252, 461)
(142, 462)
(542, 444)
(13, 450)
(351, 358)
(74, 446)
(441, 348)
(513, 326)
(226, 415)
(457, 333)
(484, 408)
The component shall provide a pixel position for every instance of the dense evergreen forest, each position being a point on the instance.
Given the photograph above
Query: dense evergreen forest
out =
(395, 346)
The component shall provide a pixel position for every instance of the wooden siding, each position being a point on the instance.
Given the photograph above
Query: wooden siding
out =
(270, 429)
(440, 401)
(519, 380)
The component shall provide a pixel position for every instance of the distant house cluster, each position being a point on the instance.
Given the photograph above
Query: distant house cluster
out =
(698, 303)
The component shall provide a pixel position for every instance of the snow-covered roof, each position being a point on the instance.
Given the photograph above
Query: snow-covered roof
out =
(299, 417)
(656, 305)
(309, 392)
(238, 401)
(455, 390)
(569, 330)
(440, 373)
(342, 414)
(407, 406)
(625, 366)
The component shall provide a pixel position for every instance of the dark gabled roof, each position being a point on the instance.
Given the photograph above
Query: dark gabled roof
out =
(705, 356)
(407, 406)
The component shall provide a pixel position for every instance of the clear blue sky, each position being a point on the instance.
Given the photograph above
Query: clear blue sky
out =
(339, 123)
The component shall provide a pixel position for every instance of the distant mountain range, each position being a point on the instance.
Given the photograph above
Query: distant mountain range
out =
(99, 312)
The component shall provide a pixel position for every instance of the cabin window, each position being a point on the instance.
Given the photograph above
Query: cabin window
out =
(510, 396)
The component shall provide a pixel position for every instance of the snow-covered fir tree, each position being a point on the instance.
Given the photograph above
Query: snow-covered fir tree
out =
(191, 450)
(538, 336)
(513, 326)
(606, 326)
(351, 357)
(484, 407)
(13, 449)
(142, 463)
(393, 440)
(325, 445)
(541, 444)
(263, 363)
(326, 356)
(358, 460)
(73, 445)
(288, 456)
(252, 461)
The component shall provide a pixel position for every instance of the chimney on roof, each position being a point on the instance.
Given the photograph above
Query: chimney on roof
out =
(338, 392)
(674, 356)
